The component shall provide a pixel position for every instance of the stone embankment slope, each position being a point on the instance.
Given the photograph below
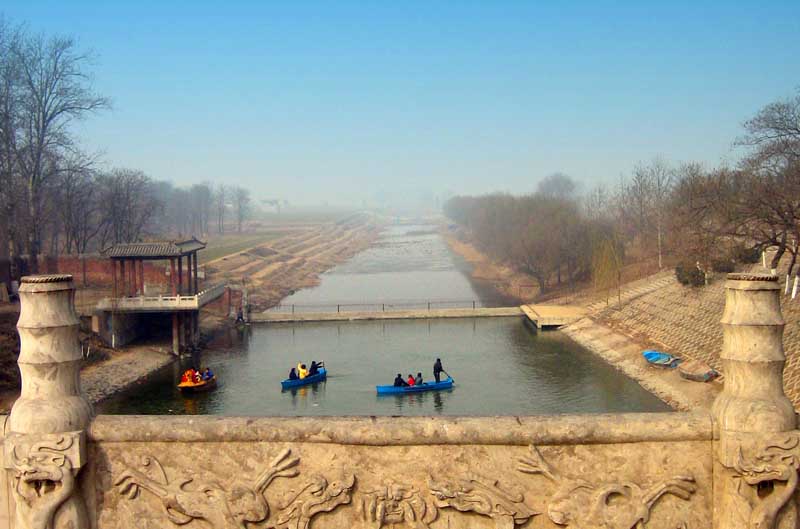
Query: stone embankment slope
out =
(685, 321)
(275, 269)
(655, 312)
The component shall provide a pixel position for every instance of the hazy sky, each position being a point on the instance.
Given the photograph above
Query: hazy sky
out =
(344, 101)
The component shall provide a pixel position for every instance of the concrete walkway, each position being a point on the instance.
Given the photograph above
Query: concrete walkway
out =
(275, 317)
(552, 315)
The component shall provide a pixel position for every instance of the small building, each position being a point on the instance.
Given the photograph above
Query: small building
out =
(125, 314)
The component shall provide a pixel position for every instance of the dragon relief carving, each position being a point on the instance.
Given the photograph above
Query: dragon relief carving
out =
(316, 497)
(397, 504)
(484, 497)
(579, 504)
(44, 471)
(770, 472)
(223, 507)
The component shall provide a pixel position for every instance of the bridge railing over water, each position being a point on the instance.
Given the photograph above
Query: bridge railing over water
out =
(735, 466)
(384, 306)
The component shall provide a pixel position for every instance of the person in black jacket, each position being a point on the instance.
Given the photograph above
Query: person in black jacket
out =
(399, 382)
(437, 369)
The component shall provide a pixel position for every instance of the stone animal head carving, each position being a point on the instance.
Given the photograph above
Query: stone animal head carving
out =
(485, 497)
(775, 468)
(43, 480)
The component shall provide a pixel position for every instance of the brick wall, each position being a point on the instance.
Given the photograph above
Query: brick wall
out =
(93, 270)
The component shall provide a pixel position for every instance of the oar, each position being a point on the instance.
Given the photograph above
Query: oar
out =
(448, 375)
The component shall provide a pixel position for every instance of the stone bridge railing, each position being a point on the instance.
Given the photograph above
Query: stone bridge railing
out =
(735, 467)
(162, 303)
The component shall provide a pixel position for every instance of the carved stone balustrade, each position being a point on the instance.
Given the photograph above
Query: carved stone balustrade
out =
(735, 467)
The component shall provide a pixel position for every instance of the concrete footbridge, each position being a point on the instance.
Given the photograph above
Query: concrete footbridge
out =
(539, 315)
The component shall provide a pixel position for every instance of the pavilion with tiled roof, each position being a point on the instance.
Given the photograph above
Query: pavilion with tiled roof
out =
(127, 265)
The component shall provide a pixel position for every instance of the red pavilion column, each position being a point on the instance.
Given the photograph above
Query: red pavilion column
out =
(141, 275)
(114, 273)
(180, 275)
(195, 273)
(123, 291)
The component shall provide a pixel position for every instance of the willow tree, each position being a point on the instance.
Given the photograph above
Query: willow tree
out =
(607, 267)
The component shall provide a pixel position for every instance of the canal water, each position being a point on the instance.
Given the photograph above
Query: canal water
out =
(501, 366)
(406, 268)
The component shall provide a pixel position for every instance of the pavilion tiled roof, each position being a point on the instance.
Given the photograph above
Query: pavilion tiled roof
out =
(154, 250)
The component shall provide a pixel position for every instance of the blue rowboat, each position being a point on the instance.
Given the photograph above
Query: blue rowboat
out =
(313, 379)
(425, 386)
(660, 359)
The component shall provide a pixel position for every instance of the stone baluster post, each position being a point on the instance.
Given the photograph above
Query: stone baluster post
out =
(45, 446)
(755, 425)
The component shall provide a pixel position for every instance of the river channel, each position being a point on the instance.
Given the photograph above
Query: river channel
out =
(500, 365)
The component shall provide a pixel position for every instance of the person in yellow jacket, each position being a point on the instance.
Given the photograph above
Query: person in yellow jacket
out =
(302, 372)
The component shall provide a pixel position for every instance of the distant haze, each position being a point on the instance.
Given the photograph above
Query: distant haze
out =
(410, 102)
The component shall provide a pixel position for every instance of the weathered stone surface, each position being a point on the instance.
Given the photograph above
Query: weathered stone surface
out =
(158, 484)
(758, 448)
(397, 431)
(44, 444)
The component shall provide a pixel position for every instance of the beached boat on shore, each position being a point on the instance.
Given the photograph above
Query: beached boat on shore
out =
(697, 371)
(659, 359)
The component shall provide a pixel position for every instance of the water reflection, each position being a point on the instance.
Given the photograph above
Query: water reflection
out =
(501, 367)
(419, 400)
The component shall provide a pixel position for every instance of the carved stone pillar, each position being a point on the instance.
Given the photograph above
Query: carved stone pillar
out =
(45, 446)
(757, 442)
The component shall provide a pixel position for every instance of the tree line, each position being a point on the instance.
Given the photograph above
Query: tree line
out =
(701, 218)
(55, 196)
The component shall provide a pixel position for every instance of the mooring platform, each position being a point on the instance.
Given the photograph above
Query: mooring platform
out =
(552, 315)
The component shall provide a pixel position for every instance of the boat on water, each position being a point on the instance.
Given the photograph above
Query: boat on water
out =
(659, 359)
(198, 387)
(321, 375)
(425, 386)
(697, 371)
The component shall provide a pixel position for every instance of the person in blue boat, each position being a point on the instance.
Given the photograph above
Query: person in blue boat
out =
(208, 374)
(293, 374)
(410, 380)
(302, 371)
(418, 379)
(399, 382)
(314, 368)
(437, 369)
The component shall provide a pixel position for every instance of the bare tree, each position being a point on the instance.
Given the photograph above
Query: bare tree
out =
(775, 130)
(10, 111)
(128, 204)
(220, 196)
(55, 91)
(241, 205)
(78, 208)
